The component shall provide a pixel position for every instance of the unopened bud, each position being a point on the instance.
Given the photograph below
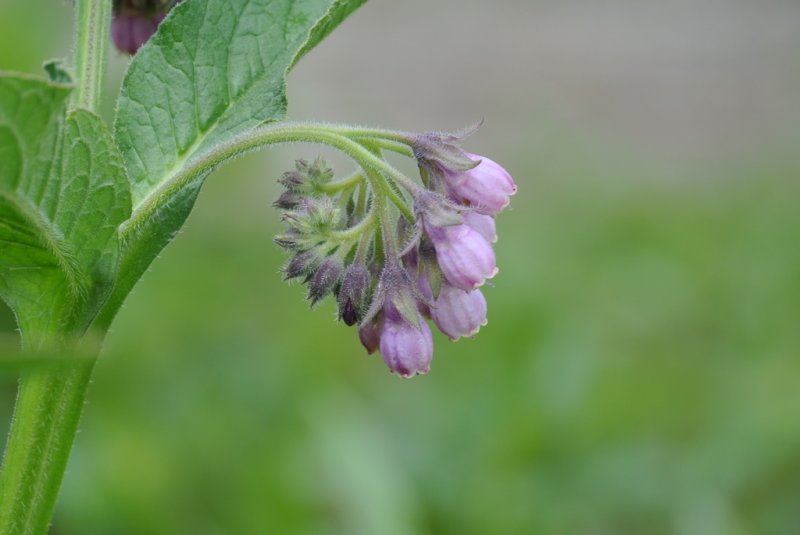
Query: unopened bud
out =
(323, 281)
(369, 334)
(303, 263)
(287, 200)
(484, 224)
(459, 313)
(291, 180)
(288, 240)
(487, 187)
(353, 293)
(406, 348)
(133, 22)
(465, 257)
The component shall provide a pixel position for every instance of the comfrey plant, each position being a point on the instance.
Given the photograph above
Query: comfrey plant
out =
(85, 209)
(394, 251)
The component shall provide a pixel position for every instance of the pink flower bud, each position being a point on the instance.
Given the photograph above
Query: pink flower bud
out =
(465, 257)
(353, 293)
(424, 288)
(486, 187)
(369, 335)
(458, 313)
(406, 349)
(484, 224)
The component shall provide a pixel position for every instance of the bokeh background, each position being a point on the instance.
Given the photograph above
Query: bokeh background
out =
(640, 372)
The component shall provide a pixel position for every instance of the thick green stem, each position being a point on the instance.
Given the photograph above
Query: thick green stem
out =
(92, 20)
(46, 416)
(50, 398)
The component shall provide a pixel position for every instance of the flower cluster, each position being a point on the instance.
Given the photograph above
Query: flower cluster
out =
(393, 251)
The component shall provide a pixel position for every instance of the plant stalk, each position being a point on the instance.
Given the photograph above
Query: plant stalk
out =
(50, 399)
(46, 415)
(92, 23)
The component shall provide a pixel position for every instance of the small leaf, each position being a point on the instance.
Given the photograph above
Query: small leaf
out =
(57, 72)
(63, 193)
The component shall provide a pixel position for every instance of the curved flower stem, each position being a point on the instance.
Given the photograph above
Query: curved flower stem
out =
(255, 139)
(399, 202)
(50, 399)
(361, 202)
(332, 187)
(387, 144)
(369, 133)
(389, 245)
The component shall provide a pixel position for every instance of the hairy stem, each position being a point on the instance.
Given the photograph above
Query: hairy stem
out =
(50, 399)
(46, 415)
(92, 19)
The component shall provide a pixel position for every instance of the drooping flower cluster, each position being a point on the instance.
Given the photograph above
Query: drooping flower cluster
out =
(394, 251)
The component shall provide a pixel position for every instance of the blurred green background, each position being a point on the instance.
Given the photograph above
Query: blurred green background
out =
(640, 372)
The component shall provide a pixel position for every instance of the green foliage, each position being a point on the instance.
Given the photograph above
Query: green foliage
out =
(213, 71)
(63, 194)
(68, 193)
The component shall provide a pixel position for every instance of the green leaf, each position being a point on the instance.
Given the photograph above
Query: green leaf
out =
(215, 69)
(63, 193)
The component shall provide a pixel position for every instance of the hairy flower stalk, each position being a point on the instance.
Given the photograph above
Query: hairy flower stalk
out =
(394, 251)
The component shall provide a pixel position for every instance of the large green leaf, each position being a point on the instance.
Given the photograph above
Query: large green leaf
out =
(215, 69)
(63, 193)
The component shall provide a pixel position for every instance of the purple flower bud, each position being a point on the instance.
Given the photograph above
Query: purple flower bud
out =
(458, 313)
(465, 257)
(287, 200)
(484, 224)
(486, 187)
(425, 297)
(303, 263)
(406, 349)
(289, 240)
(353, 293)
(130, 30)
(324, 279)
(292, 180)
(369, 334)
(424, 287)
